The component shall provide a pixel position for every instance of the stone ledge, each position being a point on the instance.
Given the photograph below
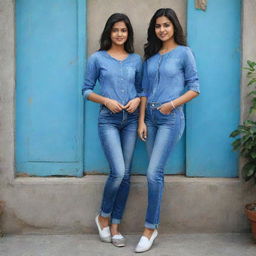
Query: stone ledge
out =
(134, 179)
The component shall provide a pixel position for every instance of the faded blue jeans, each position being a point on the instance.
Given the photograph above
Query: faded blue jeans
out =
(118, 133)
(163, 133)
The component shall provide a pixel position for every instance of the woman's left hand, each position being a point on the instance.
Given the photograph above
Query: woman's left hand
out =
(166, 108)
(132, 105)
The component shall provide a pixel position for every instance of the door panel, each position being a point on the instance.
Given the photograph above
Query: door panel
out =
(49, 74)
(214, 36)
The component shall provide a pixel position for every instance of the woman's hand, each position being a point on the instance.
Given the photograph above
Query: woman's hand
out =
(113, 105)
(166, 108)
(142, 131)
(132, 105)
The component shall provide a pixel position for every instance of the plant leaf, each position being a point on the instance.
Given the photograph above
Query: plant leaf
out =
(252, 81)
(251, 93)
(253, 155)
(251, 64)
(248, 171)
(234, 133)
(236, 144)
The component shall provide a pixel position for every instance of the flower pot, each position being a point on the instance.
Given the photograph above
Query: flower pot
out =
(250, 211)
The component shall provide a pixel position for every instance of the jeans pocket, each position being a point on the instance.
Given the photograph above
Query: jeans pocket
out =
(171, 113)
(163, 113)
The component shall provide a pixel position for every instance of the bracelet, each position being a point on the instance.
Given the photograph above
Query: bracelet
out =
(173, 106)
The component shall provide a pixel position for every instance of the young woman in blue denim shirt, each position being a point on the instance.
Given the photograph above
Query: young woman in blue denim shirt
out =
(118, 71)
(169, 80)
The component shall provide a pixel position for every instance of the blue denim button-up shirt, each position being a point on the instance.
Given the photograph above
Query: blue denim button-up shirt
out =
(119, 80)
(167, 76)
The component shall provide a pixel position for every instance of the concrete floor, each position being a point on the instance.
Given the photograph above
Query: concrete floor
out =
(228, 244)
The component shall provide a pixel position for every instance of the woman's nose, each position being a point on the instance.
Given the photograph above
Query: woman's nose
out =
(161, 28)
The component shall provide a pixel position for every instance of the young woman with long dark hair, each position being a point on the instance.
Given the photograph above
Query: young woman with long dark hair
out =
(169, 80)
(118, 70)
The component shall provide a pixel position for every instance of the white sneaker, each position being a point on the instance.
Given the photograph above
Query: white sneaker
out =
(118, 240)
(104, 233)
(145, 243)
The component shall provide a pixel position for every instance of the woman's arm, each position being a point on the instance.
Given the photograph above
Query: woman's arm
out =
(92, 75)
(191, 84)
(142, 128)
(167, 107)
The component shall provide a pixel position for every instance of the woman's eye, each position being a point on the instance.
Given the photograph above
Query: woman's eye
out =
(124, 30)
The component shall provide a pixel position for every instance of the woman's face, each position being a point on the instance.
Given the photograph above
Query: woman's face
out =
(164, 29)
(119, 33)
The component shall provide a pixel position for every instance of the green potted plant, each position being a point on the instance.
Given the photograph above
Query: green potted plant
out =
(245, 141)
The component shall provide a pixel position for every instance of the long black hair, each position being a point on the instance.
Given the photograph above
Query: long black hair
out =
(154, 44)
(105, 40)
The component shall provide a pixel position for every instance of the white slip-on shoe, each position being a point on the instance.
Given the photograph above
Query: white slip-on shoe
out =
(104, 233)
(118, 240)
(145, 243)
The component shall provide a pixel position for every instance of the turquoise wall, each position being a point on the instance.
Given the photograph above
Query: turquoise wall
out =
(214, 36)
(56, 131)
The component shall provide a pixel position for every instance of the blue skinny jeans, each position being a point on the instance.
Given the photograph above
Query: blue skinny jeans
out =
(118, 133)
(163, 133)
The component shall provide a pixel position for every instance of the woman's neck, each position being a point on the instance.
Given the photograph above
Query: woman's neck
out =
(117, 49)
(168, 45)
(118, 52)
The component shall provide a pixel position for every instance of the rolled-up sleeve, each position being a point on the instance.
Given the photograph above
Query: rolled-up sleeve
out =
(91, 76)
(145, 81)
(190, 71)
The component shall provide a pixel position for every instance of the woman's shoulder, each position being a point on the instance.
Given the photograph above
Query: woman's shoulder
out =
(185, 49)
(152, 58)
(96, 55)
(135, 59)
(96, 58)
(135, 56)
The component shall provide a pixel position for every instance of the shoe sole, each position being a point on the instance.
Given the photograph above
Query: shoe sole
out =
(118, 245)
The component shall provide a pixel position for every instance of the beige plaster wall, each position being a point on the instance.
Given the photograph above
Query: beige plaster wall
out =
(139, 12)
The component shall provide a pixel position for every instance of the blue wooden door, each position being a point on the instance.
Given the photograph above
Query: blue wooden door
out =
(50, 41)
(214, 36)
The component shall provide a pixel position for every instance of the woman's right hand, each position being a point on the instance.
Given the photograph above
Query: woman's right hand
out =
(142, 131)
(113, 105)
